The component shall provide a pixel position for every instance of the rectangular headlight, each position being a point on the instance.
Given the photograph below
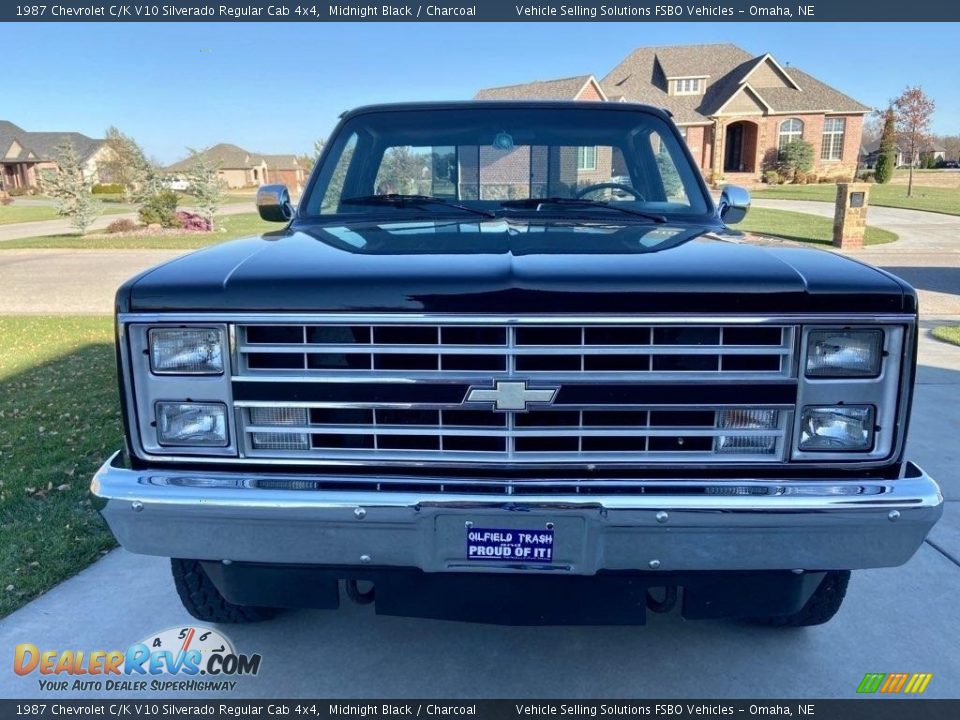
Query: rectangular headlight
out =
(844, 353)
(192, 424)
(186, 351)
(844, 428)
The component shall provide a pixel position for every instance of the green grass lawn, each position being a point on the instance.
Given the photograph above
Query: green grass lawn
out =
(16, 213)
(59, 419)
(233, 226)
(935, 199)
(802, 227)
(948, 333)
(230, 198)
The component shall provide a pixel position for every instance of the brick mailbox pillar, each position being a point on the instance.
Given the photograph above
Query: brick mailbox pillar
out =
(850, 215)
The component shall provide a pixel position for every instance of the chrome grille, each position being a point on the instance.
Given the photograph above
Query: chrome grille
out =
(433, 350)
(585, 434)
(314, 397)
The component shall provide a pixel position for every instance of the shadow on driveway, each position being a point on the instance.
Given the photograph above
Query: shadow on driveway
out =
(935, 278)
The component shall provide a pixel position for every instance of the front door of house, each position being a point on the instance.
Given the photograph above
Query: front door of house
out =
(733, 153)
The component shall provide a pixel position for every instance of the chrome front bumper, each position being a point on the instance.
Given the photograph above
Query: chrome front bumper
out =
(675, 525)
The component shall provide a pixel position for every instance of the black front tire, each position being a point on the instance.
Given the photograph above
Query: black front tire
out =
(201, 598)
(822, 605)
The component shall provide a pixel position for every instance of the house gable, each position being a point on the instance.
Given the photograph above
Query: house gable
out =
(768, 73)
(745, 101)
(14, 150)
(591, 90)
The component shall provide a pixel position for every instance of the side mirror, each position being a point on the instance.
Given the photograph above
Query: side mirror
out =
(273, 203)
(733, 205)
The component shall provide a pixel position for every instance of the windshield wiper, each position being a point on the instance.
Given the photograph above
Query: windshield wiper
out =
(581, 202)
(399, 200)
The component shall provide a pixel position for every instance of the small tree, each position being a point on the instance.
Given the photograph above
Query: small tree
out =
(914, 112)
(125, 162)
(160, 209)
(887, 159)
(795, 157)
(205, 185)
(308, 160)
(71, 189)
(149, 182)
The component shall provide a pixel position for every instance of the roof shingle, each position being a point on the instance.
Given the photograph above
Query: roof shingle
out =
(227, 156)
(560, 89)
(43, 145)
(642, 77)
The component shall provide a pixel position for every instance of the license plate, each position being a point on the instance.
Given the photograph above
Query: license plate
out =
(510, 545)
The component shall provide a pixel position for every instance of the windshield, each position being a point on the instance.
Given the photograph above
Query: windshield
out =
(502, 160)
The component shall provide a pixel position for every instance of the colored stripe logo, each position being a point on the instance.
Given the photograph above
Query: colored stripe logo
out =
(892, 683)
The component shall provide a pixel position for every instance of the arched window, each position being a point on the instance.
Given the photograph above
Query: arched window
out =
(790, 130)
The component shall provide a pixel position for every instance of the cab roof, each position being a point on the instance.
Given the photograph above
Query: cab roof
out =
(508, 104)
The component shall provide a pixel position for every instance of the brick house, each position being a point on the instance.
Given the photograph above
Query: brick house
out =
(734, 109)
(25, 154)
(239, 168)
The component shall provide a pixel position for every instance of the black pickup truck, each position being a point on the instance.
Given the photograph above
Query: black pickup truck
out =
(506, 362)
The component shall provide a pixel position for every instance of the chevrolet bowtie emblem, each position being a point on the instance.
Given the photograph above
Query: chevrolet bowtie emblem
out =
(511, 395)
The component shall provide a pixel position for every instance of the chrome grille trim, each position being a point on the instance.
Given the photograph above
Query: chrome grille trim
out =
(591, 351)
(548, 349)
(643, 439)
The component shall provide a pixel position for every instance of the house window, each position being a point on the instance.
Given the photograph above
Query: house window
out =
(790, 130)
(587, 158)
(687, 86)
(833, 129)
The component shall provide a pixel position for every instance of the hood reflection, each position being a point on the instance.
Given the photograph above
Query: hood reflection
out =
(501, 236)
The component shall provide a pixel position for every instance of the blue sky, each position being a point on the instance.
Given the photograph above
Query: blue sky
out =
(275, 87)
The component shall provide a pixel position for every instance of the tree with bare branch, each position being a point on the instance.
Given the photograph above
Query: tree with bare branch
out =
(914, 111)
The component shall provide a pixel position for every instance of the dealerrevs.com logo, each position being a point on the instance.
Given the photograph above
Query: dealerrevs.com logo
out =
(180, 659)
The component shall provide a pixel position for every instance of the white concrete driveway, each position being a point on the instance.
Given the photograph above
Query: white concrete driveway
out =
(927, 255)
(55, 282)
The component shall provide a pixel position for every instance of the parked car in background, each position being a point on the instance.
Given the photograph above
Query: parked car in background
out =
(177, 183)
(539, 380)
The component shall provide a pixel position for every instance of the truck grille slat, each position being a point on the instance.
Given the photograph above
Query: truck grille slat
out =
(439, 350)
(436, 422)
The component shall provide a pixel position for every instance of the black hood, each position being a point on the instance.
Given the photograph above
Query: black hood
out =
(512, 266)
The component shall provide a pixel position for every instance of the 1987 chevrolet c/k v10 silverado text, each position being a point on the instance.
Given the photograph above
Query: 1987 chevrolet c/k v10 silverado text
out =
(505, 362)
